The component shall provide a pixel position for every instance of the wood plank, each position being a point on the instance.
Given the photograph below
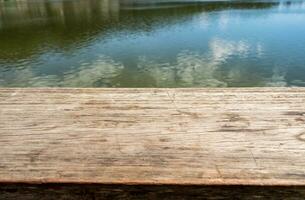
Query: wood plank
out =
(250, 136)
(150, 192)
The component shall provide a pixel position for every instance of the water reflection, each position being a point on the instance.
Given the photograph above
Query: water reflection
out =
(38, 25)
(113, 43)
(189, 69)
(194, 69)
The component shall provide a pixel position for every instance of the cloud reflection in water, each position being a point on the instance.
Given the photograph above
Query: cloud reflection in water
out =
(190, 69)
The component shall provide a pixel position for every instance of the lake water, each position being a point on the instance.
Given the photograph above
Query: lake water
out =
(142, 43)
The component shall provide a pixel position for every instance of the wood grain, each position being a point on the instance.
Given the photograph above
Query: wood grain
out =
(147, 192)
(252, 136)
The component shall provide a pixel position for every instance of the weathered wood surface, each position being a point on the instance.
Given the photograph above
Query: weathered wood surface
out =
(153, 136)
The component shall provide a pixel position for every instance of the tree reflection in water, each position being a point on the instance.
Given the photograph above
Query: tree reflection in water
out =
(87, 43)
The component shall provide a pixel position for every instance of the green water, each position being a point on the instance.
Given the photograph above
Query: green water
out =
(137, 43)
